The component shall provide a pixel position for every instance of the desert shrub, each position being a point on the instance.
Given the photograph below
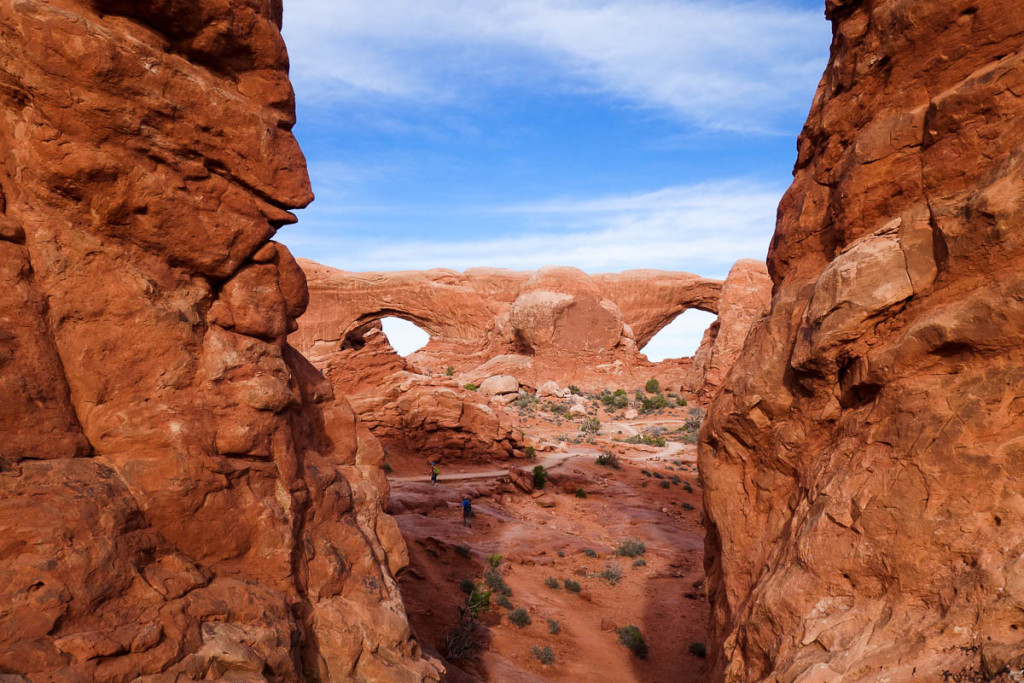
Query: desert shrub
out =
(631, 547)
(540, 477)
(591, 425)
(687, 506)
(503, 601)
(495, 560)
(589, 552)
(611, 573)
(687, 487)
(658, 475)
(631, 637)
(641, 562)
(649, 404)
(479, 600)
(526, 402)
(645, 473)
(388, 468)
(653, 386)
(689, 438)
(609, 459)
(698, 650)
(462, 550)
(561, 553)
(496, 582)
(694, 420)
(614, 401)
(467, 586)
(571, 586)
(573, 389)
(519, 617)
(580, 493)
(450, 370)
(556, 408)
(681, 402)
(554, 628)
(552, 582)
(466, 638)
(647, 440)
(545, 655)
(470, 386)
(665, 484)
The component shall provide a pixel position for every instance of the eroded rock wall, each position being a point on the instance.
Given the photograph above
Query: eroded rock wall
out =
(863, 461)
(181, 494)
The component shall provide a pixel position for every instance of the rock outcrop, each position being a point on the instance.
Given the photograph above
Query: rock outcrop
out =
(181, 495)
(746, 295)
(429, 417)
(862, 462)
(555, 324)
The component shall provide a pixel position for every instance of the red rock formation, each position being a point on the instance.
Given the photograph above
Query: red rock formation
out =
(862, 463)
(433, 418)
(556, 324)
(746, 295)
(180, 494)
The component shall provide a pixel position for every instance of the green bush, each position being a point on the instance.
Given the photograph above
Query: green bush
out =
(503, 601)
(462, 550)
(609, 459)
(519, 617)
(571, 586)
(694, 420)
(647, 440)
(666, 484)
(552, 582)
(495, 560)
(631, 637)
(479, 600)
(580, 493)
(658, 475)
(687, 487)
(640, 562)
(589, 552)
(540, 477)
(450, 370)
(631, 547)
(698, 650)
(467, 586)
(545, 655)
(687, 506)
(652, 386)
(573, 389)
(531, 453)
(614, 401)
(561, 553)
(591, 425)
(649, 404)
(554, 628)
(470, 386)
(611, 573)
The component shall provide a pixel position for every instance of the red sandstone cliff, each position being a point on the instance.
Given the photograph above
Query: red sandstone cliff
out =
(863, 462)
(181, 495)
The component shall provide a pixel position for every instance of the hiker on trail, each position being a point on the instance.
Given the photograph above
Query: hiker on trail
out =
(467, 512)
(434, 471)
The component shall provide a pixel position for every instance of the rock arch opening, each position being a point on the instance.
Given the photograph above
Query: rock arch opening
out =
(680, 338)
(406, 337)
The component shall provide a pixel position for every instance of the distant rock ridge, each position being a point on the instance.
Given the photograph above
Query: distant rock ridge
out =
(862, 462)
(556, 324)
(182, 496)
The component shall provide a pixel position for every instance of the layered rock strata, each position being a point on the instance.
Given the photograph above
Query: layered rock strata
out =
(182, 496)
(862, 462)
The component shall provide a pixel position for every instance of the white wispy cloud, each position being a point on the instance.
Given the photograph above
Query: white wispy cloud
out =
(720, 64)
(701, 228)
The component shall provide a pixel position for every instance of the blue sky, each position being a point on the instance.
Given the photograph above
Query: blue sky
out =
(606, 135)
